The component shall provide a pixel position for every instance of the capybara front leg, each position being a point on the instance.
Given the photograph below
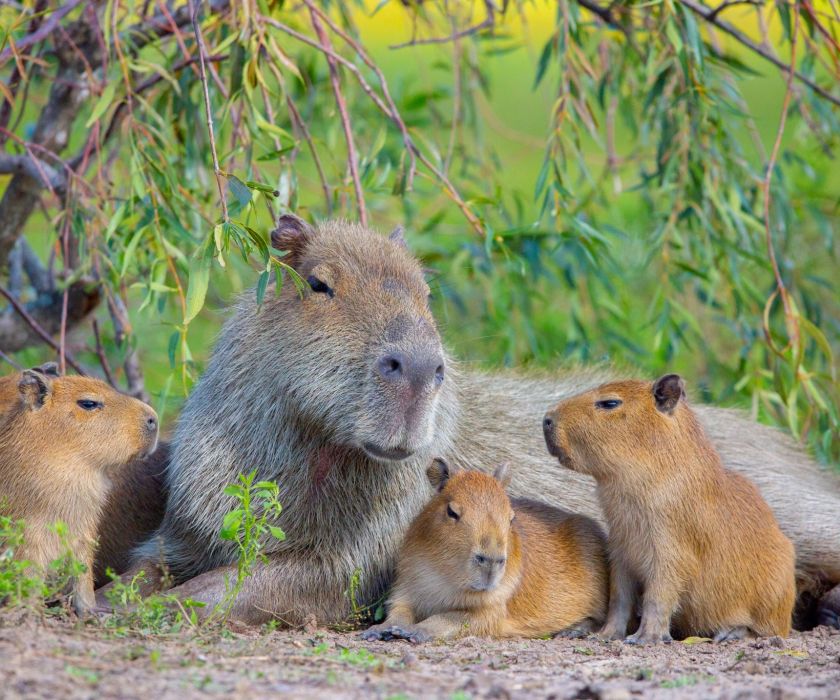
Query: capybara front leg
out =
(399, 617)
(660, 601)
(623, 595)
(828, 609)
(84, 600)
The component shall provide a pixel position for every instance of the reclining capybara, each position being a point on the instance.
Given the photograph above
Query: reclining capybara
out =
(475, 562)
(62, 440)
(695, 540)
(344, 395)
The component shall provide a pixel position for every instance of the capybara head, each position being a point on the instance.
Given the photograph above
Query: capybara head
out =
(72, 419)
(466, 526)
(368, 358)
(618, 426)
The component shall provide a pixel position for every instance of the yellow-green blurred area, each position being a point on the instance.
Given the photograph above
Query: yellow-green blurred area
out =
(616, 169)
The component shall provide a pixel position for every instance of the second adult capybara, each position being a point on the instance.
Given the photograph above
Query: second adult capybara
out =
(62, 440)
(475, 562)
(337, 395)
(696, 541)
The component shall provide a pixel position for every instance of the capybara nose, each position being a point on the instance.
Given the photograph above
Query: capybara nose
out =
(548, 425)
(417, 370)
(152, 424)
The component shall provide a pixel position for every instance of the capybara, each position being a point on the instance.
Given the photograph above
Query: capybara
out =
(696, 541)
(344, 395)
(475, 562)
(62, 440)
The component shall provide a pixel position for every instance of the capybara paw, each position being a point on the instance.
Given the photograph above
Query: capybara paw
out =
(374, 634)
(731, 634)
(828, 609)
(572, 633)
(649, 638)
(610, 633)
(415, 635)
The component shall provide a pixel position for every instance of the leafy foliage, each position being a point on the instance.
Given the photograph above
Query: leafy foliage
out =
(591, 182)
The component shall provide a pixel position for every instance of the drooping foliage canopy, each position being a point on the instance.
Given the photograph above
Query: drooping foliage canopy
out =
(651, 184)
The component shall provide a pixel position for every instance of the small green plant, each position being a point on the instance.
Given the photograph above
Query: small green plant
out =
(153, 614)
(248, 525)
(17, 585)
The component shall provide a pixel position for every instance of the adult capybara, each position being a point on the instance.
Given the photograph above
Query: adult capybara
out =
(344, 395)
(475, 562)
(62, 440)
(695, 541)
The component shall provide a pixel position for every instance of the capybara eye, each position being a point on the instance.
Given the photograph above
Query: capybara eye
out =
(451, 513)
(320, 286)
(608, 404)
(88, 404)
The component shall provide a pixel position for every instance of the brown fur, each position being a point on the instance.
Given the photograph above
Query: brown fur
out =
(57, 461)
(290, 390)
(476, 562)
(698, 539)
(132, 512)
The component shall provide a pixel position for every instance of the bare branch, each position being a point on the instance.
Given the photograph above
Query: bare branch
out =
(103, 359)
(352, 157)
(202, 55)
(34, 326)
(453, 193)
(10, 361)
(488, 23)
(709, 15)
(36, 169)
(136, 385)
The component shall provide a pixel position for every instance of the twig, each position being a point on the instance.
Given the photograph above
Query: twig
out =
(43, 31)
(202, 55)
(122, 330)
(781, 289)
(488, 23)
(380, 76)
(707, 14)
(100, 353)
(352, 157)
(450, 188)
(35, 326)
(9, 360)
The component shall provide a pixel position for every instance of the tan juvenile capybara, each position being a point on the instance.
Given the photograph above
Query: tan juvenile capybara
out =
(344, 395)
(696, 541)
(475, 562)
(61, 440)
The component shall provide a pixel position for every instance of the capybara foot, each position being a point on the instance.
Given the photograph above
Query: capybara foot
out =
(611, 632)
(828, 609)
(649, 638)
(388, 633)
(581, 629)
(375, 633)
(730, 634)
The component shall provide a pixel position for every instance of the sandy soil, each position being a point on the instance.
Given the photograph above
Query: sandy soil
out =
(49, 658)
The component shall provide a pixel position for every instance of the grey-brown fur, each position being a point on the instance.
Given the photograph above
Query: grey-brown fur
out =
(289, 390)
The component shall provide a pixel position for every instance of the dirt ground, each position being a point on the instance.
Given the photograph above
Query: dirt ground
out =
(46, 658)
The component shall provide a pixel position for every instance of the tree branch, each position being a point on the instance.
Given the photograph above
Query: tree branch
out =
(14, 335)
(488, 23)
(43, 31)
(352, 157)
(710, 15)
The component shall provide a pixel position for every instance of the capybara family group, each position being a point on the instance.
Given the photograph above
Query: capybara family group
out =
(345, 396)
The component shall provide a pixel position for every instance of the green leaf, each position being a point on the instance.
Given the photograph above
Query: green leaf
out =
(199, 281)
(240, 190)
(277, 533)
(104, 101)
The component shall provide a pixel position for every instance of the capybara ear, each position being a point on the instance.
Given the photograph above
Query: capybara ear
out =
(398, 236)
(292, 235)
(49, 369)
(438, 473)
(502, 474)
(34, 388)
(667, 392)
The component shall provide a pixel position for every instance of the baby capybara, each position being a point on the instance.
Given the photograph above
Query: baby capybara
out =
(696, 540)
(62, 439)
(477, 562)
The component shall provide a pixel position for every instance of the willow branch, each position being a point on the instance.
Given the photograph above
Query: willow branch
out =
(488, 23)
(352, 156)
(202, 55)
